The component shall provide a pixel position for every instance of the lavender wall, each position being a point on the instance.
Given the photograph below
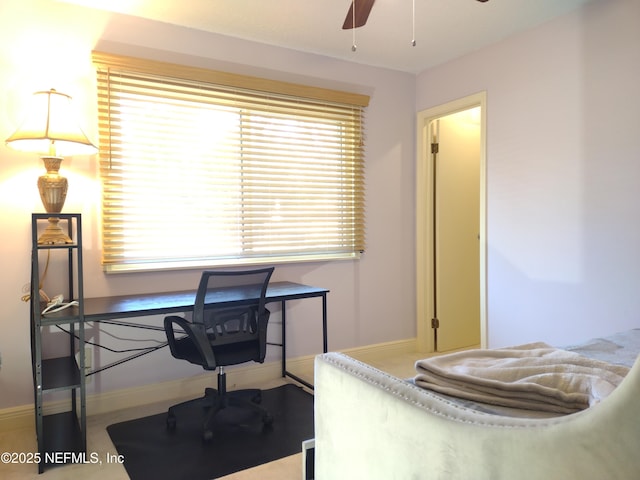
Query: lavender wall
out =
(563, 169)
(371, 300)
(562, 175)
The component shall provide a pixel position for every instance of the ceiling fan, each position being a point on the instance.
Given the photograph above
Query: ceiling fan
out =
(359, 17)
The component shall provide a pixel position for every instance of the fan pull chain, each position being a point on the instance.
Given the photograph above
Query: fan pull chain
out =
(413, 19)
(353, 25)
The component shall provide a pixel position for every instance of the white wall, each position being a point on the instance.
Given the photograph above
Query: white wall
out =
(46, 44)
(563, 170)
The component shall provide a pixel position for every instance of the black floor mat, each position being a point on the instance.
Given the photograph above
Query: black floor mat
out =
(240, 441)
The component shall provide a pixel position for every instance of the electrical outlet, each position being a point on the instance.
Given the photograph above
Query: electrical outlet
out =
(88, 356)
(88, 361)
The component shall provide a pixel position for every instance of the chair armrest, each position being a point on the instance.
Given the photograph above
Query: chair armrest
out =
(197, 335)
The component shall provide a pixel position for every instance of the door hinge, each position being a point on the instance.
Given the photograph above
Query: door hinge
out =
(434, 147)
(435, 323)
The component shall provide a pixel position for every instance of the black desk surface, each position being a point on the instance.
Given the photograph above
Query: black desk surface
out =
(105, 308)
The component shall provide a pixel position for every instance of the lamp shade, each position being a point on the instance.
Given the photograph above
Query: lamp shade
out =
(51, 128)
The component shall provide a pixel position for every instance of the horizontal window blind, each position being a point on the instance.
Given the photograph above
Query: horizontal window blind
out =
(202, 168)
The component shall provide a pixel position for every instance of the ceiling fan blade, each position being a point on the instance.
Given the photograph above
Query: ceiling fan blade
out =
(363, 9)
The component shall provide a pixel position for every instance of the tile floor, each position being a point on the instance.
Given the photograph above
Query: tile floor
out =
(98, 441)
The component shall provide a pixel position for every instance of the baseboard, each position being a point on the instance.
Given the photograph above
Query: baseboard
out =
(17, 417)
(382, 350)
(238, 377)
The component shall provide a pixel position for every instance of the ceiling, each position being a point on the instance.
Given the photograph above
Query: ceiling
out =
(444, 29)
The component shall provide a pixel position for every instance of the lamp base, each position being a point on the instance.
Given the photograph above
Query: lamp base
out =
(52, 186)
(53, 234)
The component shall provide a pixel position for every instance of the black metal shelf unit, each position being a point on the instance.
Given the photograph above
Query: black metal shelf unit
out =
(59, 433)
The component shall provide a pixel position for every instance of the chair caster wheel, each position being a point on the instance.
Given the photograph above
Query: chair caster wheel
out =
(207, 436)
(171, 422)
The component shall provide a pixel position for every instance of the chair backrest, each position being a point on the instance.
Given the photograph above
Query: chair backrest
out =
(231, 306)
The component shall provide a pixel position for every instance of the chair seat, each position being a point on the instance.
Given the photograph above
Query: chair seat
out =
(230, 354)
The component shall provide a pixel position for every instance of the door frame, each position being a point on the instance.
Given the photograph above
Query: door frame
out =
(424, 217)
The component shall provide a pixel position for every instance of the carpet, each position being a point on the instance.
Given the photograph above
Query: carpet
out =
(150, 450)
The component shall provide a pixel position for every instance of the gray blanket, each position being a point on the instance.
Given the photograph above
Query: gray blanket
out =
(532, 377)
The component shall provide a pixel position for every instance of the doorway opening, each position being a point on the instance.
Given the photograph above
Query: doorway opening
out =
(451, 225)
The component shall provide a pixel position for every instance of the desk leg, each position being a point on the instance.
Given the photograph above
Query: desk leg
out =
(324, 323)
(284, 338)
(284, 341)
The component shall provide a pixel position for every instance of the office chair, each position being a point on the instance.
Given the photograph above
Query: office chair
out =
(229, 326)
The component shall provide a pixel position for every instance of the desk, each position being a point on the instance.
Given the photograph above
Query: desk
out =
(110, 309)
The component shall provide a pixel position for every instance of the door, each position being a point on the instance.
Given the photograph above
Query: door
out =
(456, 283)
(450, 225)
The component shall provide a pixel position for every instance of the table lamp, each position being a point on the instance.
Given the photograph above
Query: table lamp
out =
(50, 129)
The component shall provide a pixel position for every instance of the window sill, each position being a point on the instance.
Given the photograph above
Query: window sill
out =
(231, 262)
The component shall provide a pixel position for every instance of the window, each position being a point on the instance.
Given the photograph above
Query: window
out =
(204, 168)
